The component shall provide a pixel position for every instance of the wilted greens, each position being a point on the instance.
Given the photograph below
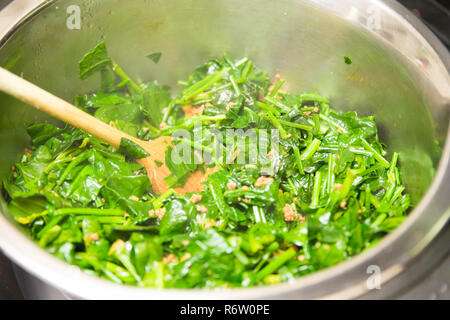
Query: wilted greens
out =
(320, 191)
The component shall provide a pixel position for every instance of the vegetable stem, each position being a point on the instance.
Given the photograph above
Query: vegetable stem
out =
(169, 111)
(277, 87)
(316, 190)
(268, 108)
(334, 124)
(311, 149)
(277, 103)
(201, 85)
(126, 79)
(276, 263)
(330, 179)
(298, 159)
(245, 71)
(348, 182)
(277, 124)
(377, 156)
(235, 86)
(393, 162)
(158, 202)
(296, 125)
(90, 211)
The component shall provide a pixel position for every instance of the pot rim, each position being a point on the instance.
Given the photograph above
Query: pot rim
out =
(72, 280)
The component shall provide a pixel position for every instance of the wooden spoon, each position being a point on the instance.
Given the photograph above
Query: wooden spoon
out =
(52, 105)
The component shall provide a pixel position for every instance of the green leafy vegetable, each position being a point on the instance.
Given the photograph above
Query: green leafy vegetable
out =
(321, 188)
(94, 60)
(131, 149)
(155, 56)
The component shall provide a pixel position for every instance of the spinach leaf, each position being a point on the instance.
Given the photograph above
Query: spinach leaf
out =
(125, 112)
(94, 61)
(131, 149)
(155, 56)
(155, 99)
(175, 220)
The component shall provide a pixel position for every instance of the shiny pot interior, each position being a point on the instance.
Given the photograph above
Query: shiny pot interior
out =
(396, 74)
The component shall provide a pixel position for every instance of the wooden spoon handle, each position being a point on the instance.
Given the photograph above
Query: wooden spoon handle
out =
(52, 105)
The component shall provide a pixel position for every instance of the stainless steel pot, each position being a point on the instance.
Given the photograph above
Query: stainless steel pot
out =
(400, 72)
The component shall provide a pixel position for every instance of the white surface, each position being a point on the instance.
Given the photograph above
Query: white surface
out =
(17, 8)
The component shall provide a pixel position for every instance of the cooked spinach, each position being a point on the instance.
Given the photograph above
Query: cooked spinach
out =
(131, 149)
(326, 193)
(155, 57)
